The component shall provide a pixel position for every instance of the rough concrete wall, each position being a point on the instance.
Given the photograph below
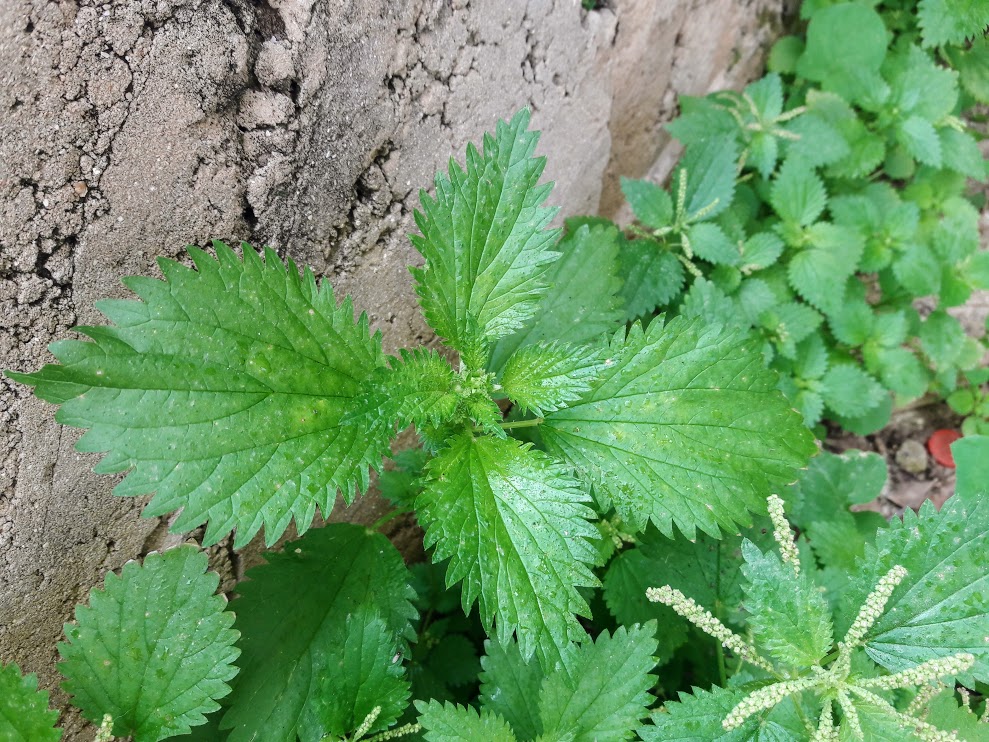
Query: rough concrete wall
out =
(129, 128)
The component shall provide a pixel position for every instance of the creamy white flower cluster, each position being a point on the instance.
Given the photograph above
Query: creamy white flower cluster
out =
(834, 684)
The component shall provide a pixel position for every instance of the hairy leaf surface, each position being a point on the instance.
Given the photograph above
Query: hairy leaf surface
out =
(543, 378)
(514, 524)
(601, 690)
(485, 239)
(358, 674)
(787, 614)
(154, 648)
(510, 686)
(582, 303)
(24, 712)
(940, 608)
(685, 426)
(223, 391)
(452, 723)
(291, 634)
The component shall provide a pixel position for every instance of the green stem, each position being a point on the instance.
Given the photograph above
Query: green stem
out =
(522, 423)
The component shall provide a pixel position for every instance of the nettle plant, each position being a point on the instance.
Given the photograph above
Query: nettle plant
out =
(817, 206)
(244, 396)
(556, 452)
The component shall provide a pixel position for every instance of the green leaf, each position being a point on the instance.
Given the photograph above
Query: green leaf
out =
(850, 391)
(709, 172)
(358, 674)
(651, 204)
(24, 712)
(223, 391)
(791, 322)
(760, 250)
(701, 120)
(510, 687)
(154, 649)
(951, 21)
(767, 95)
(698, 717)
(971, 455)
(451, 723)
(940, 607)
(918, 270)
(942, 339)
(601, 691)
(944, 712)
(416, 389)
(582, 303)
(853, 322)
(920, 86)
(798, 195)
(784, 55)
(543, 378)
(846, 45)
(626, 580)
(903, 373)
(684, 427)
(290, 635)
(921, 140)
(754, 298)
(864, 148)
(832, 482)
(709, 242)
(653, 277)
(818, 271)
(961, 153)
(485, 239)
(709, 303)
(514, 524)
(787, 614)
(972, 65)
(820, 141)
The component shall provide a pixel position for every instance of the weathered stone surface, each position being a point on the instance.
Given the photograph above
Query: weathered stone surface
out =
(129, 128)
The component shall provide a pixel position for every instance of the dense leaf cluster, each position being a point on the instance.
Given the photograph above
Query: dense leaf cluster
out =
(817, 206)
(574, 442)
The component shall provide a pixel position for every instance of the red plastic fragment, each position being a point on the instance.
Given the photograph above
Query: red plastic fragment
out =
(939, 445)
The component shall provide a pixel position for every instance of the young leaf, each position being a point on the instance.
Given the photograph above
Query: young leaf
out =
(416, 389)
(760, 251)
(223, 391)
(154, 649)
(543, 378)
(510, 686)
(709, 242)
(698, 717)
(709, 172)
(685, 427)
(651, 204)
(601, 691)
(485, 239)
(652, 275)
(582, 302)
(514, 524)
(358, 675)
(290, 635)
(787, 614)
(818, 271)
(451, 723)
(920, 139)
(798, 194)
(850, 391)
(940, 608)
(24, 712)
(846, 45)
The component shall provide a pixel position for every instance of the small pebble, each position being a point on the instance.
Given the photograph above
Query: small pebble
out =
(912, 456)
